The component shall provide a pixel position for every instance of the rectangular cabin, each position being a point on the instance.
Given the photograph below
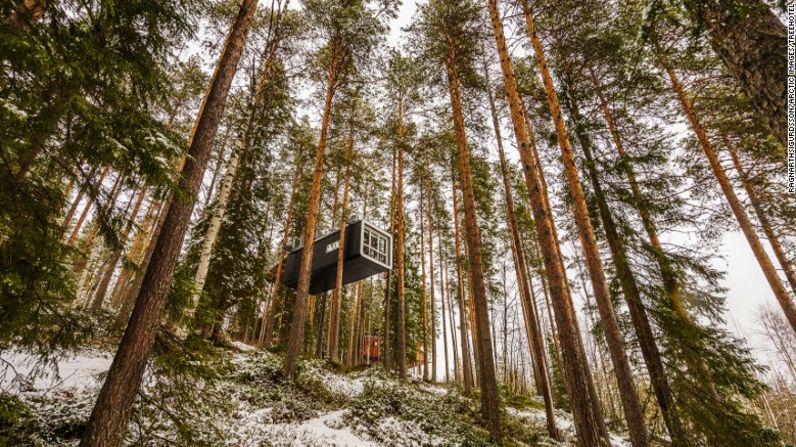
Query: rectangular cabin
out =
(367, 252)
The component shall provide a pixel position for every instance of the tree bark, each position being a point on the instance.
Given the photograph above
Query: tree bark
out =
(266, 337)
(442, 291)
(135, 254)
(624, 376)
(296, 340)
(432, 301)
(490, 400)
(334, 315)
(107, 422)
(424, 304)
(399, 250)
(785, 301)
(749, 38)
(467, 371)
(589, 423)
(102, 288)
(533, 330)
(385, 347)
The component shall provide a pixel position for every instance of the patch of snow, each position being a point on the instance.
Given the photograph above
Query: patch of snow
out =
(326, 430)
(343, 385)
(24, 372)
(243, 346)
(405, 433)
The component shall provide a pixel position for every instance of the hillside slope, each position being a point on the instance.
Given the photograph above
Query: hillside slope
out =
(240, 398)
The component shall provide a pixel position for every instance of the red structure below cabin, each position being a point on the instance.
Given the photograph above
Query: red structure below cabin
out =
(371, 347)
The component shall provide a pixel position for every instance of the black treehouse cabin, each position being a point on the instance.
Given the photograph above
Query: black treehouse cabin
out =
(367, 252)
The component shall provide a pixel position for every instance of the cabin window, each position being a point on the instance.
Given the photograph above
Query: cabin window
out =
(375, 246)
(334, 246)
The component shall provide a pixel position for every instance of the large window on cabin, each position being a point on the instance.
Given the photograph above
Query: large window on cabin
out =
(374, 244)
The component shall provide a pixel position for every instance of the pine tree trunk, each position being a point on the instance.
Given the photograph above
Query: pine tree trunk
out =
(80, 220)
(424, 304)
(385, 347)
(432, 301)
(109, 417)
(135, 254)
(467, 371)
(749, 38)
(588, 418)
(73, 208)
(533, 330)
(296, 340)
(629, 286)
(266, 336)
(785, 301)
(400, 271)
(670, 282)
(442, 291)
(102, 288)
(334, 315)
(213, 228)
(624, 376)
(773, 239)
(457, 376)
(490, 400)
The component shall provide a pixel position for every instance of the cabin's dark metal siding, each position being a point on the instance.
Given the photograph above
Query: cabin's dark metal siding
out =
(324, 263)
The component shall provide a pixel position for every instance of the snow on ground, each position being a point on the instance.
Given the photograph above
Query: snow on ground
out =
(564, 423)
(77, 377)
(243, 346)
(326, 430)
(77, 372)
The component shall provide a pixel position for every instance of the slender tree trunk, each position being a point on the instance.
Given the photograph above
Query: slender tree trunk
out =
(432, 301)
(102, 288)
(624, 376)
(467, 372)
(296, 341)
(588, 418)
(354, 311)
(490, 400)
(399, 251)
(533, 330)
(443, 285)
(457, 376)
(670, 282)
(748, 37)
(214, 178)
(785, 301)
(73, 209)
(266, 337)
(135, 254)
(80, 220)
(213, 228)
(424, 304)
(629, 286)
(773, 238)
(334, 316)
(108, 419)
(385, 351)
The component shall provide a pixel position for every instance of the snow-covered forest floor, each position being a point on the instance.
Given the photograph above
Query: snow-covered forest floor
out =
(240, 398)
